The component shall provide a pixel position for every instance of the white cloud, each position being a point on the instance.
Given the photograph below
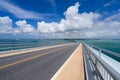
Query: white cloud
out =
(72, 11)
(5, 21)
(74, 25)
(73, 21)
(23, 27)
(81, 25)
(5, 25)
(50, 27)
(19, 12)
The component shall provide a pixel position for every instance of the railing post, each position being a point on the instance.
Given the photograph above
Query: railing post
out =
(100, 52)
(103, 70)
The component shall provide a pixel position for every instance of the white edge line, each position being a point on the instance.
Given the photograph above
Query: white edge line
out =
(38, 48)
(42, 47)
(60, 69)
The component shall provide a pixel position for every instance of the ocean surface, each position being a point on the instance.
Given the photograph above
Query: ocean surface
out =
(8, 44)
(112, 45)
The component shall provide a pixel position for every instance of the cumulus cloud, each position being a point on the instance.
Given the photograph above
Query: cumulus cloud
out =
(74, 25)
(73, 21)
(6, 25)
(23, 27)
(5, 21)
(82, 25)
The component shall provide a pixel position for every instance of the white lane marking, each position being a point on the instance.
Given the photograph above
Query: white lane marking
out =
(60, 69)
(16, 52)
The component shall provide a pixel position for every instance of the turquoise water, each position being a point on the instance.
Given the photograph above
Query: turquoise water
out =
(112, 45)
(7, 44)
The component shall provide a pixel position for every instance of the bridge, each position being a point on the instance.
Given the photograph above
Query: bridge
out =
(71, 61)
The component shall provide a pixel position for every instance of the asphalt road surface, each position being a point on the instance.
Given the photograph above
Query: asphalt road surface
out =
(37, 65)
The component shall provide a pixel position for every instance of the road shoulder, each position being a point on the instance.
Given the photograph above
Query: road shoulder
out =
(73, 68)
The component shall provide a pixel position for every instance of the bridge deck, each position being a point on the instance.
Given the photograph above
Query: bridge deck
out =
(73, 69)
(42, 64)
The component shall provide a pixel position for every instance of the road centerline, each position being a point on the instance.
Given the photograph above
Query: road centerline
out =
(30, 58)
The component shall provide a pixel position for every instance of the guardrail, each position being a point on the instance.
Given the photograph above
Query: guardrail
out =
(114, 55)
(101, 69)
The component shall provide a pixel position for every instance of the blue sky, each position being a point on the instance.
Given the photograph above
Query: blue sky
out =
(59, 19)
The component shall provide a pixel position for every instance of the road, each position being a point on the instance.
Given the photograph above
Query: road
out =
(37, 65)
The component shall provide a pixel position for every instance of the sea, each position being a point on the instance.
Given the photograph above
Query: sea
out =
(13, 44)
(17, 44)
(112, 45)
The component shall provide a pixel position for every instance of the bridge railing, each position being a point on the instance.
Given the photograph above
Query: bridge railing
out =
(114, 55)
(101, 69)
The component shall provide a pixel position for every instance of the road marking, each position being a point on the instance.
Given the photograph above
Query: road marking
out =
(23, 51)
(30, 58)
(61, 68)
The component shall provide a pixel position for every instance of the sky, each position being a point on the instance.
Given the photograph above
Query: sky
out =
(59, 19)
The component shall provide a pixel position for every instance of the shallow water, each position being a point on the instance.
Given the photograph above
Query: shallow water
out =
(8, 44)
(112, 45)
